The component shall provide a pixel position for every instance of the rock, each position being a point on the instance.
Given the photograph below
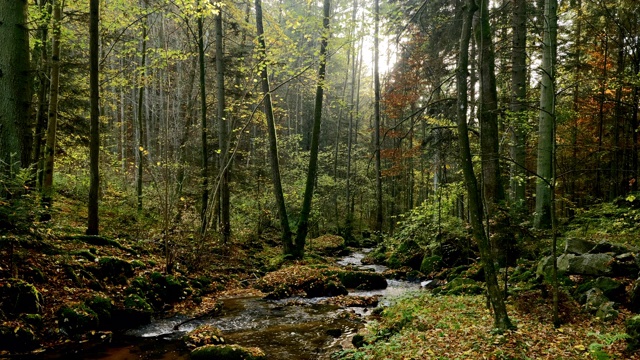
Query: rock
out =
(300, 281)
(594, 299)
(606, 247)
(18, 297)
(578, 246)
(335, 333)
(327, 244)
(76, 319)
(626, 265)
(612, 289)
(103, 307)
(203, 335)
(135, 312)
(545, 268)
(607, 311)
(358, 341)
(459, 286)
(591, 264)
(634, 296)
(362, 280)
(633, 330)
(169, 288)
(430, 263)
(17, 337)
(227, 352)
(409, 253)
(115, 269)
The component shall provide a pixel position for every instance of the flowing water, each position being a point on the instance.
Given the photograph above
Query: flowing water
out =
(307, 329)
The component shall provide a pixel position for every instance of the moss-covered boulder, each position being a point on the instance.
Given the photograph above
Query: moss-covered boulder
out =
(300, 281)
(103, 307)
(430, 263)
(362, 280)
(227, 352)
(169, 288)
(611, 288)
(408, 253)
(17, 337)
(633, 330)
(203, 335)
(135, 311)
(460, 286)
(18, 297)
(75, 319)
(327, 244)
(115, 269)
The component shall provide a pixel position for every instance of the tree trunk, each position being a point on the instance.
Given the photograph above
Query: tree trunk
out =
(547, 118)
(141, 116)
(50, 148)
(94, 147)
(203, 118)
(501, 319)
(376, 118)
(303, 224)
(287, 241)
(518, 105)
(43, 92)
(223, 131)
(14, 89)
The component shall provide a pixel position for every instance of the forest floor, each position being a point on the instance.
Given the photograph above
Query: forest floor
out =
(418, 326)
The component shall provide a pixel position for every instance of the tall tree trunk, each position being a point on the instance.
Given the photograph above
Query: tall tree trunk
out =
(303, 224)
(94, 146)
(203, 118)
(142, 147)
(15, 129)
(287, 240)
(223, 132)
(376, 118)
(501, 319)
(518, 105)
(43, 92)
(547, 117)
(47, 184)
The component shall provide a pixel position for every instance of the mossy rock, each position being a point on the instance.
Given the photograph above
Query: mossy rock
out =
(362, 280)
(633, 330)
(115, 269)
(227, 352)
(135, 311)
(18, 297)
(204, 335)
(169, 288)
(138, 264)
(77, 318)
(327, 244)
(430, 263)
(300, 281)
(86, 254)
(612, 289)
(17, 337)
(103, 307)
(135, 302)
(408, 253)
(34, 320)
(459, 286)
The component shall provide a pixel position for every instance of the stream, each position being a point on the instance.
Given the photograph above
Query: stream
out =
(306, 330)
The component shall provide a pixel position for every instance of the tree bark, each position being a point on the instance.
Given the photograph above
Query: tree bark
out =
(303, 224)
(141, 115)
(203, 118)
(287, 240)
(376, 119)
(14, 88)
(94, 147)
(546, 118)
(223, 132)
(50, 148)
(501, 319)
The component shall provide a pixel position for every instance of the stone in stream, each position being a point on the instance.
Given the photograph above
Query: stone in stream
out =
(227, 352)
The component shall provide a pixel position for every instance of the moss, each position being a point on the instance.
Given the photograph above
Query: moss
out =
(135, 302)
(430, 263)
(363, 280)
(103, 307)
(77, 318)
(227, 352)
(115, 269)
(34, 320)
(204, 335)
(86, 254)
(17, 297)
(137, 264)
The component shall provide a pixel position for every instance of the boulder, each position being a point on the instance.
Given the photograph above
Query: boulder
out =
(611, 288)
(362, 280)
(594, 299)
(203, 335)
(578, 246)
(587, 264)
(17, 337)
(430, 263)
(607, 311)
(634, 296)
(626, 265)
(135, 312)
(227, 352)
(115, 269)
(459, 286)
(18, 297)
(606, 247)
(103, 307)
(77, 318)
(633, 330)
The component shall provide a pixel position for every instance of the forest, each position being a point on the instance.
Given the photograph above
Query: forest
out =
(335, 179)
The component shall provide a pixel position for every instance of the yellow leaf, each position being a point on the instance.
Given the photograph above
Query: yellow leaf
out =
(580, 347)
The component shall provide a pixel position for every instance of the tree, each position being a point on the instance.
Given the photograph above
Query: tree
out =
(287, 241)
(47, 184)
(376, 117)
(140, 113)
(223, 131)
(94, 146)
(303, 224)
(203, 118)
(546, 124)
(15, 130)
(501, 319)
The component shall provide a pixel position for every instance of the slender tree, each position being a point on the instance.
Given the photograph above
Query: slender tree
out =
(47, 184)
(376, 117)
(501, 319)
(140, 113)
(203, 118)
(546, 123)
(303, 224)
(94, 146)
(287, 240)
(223, 131)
